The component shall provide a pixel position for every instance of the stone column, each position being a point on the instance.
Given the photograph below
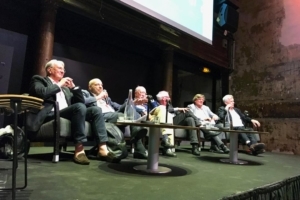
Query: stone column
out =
(167, 62)
(45, 38)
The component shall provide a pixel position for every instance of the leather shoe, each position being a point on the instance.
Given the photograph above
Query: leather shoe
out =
(166, 143)
(195, 150)
(139, 155)
(257, 147)
(81, 159)
(224, 148)
(168, 152)
(110, 157)
(215, 149)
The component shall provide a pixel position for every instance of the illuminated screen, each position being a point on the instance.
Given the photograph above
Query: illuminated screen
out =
(194, 17)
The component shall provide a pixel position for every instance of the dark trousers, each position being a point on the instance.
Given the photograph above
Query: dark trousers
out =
(243, 137)
(78, 113)
(185, 119)
(111, 117)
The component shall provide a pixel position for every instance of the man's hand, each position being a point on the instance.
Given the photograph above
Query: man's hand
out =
(228, 106)
(215, 117)
(102, 95)
(140, 101)
(183, 109)
(255, 123)
(66, 82)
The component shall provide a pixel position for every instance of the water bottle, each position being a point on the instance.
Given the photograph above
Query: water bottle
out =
(129, 108)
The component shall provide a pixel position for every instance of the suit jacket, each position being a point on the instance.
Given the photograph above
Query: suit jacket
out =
(90, 100)
(42, 87)
(222, 114)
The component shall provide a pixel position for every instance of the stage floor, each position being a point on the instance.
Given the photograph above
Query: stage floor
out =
(192, 177)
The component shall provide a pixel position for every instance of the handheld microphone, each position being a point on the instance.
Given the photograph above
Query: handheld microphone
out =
(150, 98)
(105, 99)
(167, 110)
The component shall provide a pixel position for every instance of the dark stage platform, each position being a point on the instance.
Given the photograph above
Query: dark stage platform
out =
(192, 177)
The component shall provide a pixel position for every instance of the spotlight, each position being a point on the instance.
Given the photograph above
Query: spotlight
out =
(205, 70)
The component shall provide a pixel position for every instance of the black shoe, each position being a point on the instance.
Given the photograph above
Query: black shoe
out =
(257, 147)
(168, 152)
(224, 148)
(195, 150)
(166, 143)
(139, 155)
(215, 149)
(255, 153)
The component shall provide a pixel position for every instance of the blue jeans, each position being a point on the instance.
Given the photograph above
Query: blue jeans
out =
(78, 113)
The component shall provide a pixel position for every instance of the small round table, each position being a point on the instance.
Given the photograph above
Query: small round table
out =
(153, 146)
(17, 104)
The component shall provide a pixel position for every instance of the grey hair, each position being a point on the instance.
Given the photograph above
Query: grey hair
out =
(227, 97)
(91, 82)
(53, 62)
(139, 88)
(162, 94)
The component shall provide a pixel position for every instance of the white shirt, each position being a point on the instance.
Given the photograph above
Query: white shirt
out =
(201, 114)
(104, 106)
(236, 119)
(60, 97)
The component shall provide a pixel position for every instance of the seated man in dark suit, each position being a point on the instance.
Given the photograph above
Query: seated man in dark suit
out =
(234, 115)
(71, 106)
(96, 96)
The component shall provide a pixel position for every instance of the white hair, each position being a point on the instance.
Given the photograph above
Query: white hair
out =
(91, 82)
(53, 62)
(139, 88)
(162, 94)
(227, 97)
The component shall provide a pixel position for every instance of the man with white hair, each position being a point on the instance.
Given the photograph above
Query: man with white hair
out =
(237, 120)
(140, 101)
(71, 106)
(181, 116)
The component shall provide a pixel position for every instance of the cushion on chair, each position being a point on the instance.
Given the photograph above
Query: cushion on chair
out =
(46, 131)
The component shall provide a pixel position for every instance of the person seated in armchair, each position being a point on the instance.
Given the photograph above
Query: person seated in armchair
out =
(71, 106)
(206, 116)
(238, 119)
(140, 101)
(97, 96)
(141, 105)
(181, 116)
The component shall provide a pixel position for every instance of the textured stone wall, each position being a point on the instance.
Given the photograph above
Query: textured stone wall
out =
(266, 77)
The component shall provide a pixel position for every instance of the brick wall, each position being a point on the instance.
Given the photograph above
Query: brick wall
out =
(266, 78)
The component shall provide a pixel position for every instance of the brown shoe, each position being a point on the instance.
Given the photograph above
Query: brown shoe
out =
(81, 159)
(257, 148)
(110, 157)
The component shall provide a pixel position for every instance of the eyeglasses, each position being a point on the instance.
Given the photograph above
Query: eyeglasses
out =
(60, 68)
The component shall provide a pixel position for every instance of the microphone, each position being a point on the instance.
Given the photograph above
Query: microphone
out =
(150, 99)
(167, 110)
(105, 99)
